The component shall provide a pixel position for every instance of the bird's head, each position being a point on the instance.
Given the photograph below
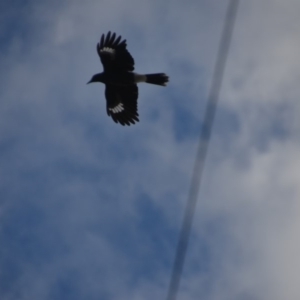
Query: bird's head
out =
(96, 78)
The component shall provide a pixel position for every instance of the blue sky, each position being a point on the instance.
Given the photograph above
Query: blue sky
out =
(91, 210)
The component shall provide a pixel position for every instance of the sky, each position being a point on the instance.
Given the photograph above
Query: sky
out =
(90, 209)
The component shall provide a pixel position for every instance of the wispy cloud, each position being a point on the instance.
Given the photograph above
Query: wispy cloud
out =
(92, 210)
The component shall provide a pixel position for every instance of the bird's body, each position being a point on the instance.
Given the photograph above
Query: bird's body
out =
(115, 78)
(121, 91)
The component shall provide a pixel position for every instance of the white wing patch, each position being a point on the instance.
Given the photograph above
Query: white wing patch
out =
(108, 50)
(117, 109)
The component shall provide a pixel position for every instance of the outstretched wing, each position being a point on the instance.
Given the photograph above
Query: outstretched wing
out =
(113, 54)
(121, 103)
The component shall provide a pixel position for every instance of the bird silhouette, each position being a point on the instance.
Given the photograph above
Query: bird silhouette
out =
(121, 91)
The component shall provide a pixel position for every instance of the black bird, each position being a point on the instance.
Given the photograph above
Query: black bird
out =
(121, 91)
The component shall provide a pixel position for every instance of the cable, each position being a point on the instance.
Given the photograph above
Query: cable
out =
(205, 135)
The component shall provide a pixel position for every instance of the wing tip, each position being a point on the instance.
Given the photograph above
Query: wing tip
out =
(111, 39)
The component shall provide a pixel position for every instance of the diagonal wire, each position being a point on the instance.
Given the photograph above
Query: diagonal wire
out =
(202, 148)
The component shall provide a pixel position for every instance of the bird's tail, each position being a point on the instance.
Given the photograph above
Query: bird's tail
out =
(158, 78)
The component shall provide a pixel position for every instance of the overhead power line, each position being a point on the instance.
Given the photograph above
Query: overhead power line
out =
(205, 135)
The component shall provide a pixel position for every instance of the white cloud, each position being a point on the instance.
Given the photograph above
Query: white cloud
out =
(91, 208)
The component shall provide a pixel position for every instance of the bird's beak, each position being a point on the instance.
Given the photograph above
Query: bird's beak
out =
(90, 81)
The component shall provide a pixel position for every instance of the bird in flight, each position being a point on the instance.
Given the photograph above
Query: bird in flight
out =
(121, 91)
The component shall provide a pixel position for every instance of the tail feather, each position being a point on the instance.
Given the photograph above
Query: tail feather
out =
(159, 79)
